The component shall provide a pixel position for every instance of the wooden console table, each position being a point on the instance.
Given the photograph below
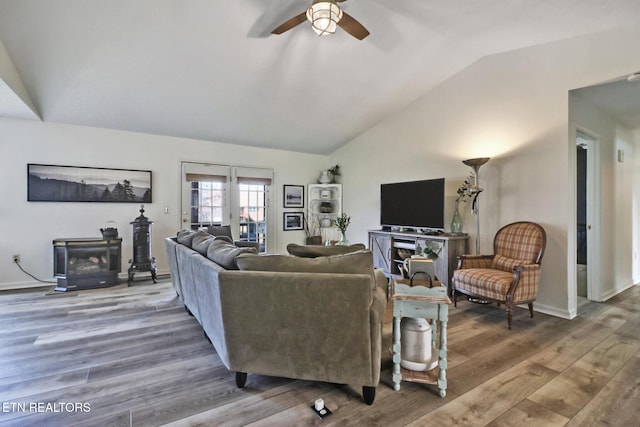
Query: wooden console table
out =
(420, 301)
(387, 245)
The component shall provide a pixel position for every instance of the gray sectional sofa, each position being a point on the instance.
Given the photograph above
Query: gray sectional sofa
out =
(283, 315)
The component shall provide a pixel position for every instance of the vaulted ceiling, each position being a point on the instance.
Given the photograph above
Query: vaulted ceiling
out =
(211, 70)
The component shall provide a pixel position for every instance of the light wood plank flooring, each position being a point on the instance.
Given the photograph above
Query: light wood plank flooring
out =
(135, 358)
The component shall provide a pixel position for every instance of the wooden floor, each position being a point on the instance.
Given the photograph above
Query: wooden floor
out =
(131, 356)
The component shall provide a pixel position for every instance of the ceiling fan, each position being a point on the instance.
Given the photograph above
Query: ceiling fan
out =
(325, 16)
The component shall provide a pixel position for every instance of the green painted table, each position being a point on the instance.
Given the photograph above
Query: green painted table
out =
(421, 301)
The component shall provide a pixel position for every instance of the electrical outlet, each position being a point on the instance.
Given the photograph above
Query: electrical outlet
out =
(16, 258)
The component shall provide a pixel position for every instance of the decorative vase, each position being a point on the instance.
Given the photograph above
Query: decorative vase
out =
(343, 240)
(456, 221)
(325, 177)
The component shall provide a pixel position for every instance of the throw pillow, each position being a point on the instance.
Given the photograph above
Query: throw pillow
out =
(185, 237)
(359, 262)
(201, 242)
(224, 238)
(313, 251)
(224, 253)
(506, 264)
(220, 230)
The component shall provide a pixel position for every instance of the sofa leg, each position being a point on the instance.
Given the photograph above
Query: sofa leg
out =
(509, 315)
(188, 311)
(530, 304)
(241, 379)
(369, 394)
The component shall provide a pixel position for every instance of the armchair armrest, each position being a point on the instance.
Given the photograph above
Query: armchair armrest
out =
(474, 261)
(525, 282)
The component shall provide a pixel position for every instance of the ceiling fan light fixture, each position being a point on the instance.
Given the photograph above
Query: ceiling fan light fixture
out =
(635, 77)
(324, 17)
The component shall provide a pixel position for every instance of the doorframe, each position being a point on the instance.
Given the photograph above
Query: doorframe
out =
(231, 199)
(594, 182)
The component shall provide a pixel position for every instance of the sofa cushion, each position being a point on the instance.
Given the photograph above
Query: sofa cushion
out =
(224, 238)
(359, 262)
(201, 242)
(506, 264)
(185, 237)
(313, 251)
(220, 230)
(224, 253)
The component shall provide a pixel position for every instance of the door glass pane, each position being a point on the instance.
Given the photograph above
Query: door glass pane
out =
(207, 200)
(253, 213)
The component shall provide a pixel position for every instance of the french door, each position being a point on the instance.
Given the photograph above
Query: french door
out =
(228, 195)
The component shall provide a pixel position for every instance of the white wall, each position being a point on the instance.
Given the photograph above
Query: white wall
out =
(28, 228)
(512, 107)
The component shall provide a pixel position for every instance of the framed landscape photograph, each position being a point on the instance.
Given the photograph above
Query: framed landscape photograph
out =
(293, 221)
(293, 196)
(53, 183)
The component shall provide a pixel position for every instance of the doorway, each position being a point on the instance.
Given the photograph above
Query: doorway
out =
(582, 147)
(587, 220)
(228, 195)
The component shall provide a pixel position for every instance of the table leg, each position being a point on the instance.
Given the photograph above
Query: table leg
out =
(442, 360)
(397, 377)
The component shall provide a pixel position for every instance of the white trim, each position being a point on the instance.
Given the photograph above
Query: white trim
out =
(551, 311)
(594, 275)
(612, 293)
(26, 285)
(34, 284)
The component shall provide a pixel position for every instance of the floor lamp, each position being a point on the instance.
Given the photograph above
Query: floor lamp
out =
(475, 190)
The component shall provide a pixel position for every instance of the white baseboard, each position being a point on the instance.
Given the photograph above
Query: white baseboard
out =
(612, 293)
(552, 311)
(34, 284)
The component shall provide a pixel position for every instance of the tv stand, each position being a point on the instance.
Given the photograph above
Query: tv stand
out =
(389, 248)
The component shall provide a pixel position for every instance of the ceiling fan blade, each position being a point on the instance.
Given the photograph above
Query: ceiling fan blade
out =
(296, 20)
(353, 27)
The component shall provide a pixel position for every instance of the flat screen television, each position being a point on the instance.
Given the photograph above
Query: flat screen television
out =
(415, 204)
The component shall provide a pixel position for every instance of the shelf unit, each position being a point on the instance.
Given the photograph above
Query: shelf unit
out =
(324, 205)
(386, 247)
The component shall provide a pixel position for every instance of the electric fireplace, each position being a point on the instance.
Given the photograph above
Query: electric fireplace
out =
(86, 263)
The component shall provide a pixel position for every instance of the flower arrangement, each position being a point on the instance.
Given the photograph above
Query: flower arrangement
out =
(334, 172)
(342, 222)
(463, 190)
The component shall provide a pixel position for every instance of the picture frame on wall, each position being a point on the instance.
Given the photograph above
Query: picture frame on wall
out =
(55, 183)
(293, 196)
(293, 221)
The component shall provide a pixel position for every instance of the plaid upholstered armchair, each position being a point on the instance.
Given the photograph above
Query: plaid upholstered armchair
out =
(511, 275)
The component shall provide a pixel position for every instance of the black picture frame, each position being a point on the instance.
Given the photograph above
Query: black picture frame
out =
(56, 183)
(293, 221)
(293, 196)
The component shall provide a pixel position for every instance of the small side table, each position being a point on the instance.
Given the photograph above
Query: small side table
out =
(420, 301)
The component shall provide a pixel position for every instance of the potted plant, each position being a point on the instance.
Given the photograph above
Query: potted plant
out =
(342, 222)
(334, 173)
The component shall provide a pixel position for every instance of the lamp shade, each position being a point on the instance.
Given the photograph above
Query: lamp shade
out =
(324, 17)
